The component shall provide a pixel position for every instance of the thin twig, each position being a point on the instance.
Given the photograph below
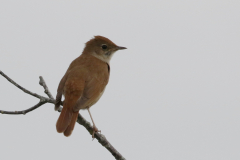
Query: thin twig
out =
(24, 111)
(100, 137)
(46, 90)
(20, 87)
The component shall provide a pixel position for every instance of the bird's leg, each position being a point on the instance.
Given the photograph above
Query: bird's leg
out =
(95, 129)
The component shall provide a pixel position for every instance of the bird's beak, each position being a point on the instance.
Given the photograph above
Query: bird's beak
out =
(119, 48)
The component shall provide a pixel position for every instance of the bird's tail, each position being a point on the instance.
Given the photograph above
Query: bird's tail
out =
(66, 121)
(70, 127)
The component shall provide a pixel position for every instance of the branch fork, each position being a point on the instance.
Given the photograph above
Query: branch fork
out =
(100, 137)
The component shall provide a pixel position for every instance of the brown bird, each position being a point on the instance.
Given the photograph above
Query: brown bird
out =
(84, 82)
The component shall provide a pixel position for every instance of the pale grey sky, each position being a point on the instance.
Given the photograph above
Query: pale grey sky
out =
(174, 94)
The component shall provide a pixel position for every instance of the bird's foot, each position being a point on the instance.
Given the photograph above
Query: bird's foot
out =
(95, 130)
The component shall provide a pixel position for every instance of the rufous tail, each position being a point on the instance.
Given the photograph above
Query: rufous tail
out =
(64, 119)
(70, 127)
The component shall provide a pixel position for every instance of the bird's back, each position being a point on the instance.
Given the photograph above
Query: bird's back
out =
(95, 75)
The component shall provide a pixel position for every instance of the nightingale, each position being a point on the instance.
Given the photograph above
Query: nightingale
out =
(84, 82)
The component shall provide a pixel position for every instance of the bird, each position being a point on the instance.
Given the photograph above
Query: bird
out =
(84, 82)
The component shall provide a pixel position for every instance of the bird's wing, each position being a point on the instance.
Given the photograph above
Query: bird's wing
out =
(60, 92)
(73, 89)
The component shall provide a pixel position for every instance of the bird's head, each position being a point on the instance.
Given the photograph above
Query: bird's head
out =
(102, 48)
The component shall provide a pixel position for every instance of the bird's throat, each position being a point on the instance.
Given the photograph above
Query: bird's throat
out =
(105, 57)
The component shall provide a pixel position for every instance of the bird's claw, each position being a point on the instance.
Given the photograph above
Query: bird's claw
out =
(95, 130)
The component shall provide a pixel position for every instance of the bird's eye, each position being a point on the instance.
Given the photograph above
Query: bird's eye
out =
(104, 46)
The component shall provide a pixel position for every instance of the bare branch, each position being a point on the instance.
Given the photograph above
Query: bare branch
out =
(42, 83)
(24, 111)
(48, 100)
(20, 87)
(100, 137)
